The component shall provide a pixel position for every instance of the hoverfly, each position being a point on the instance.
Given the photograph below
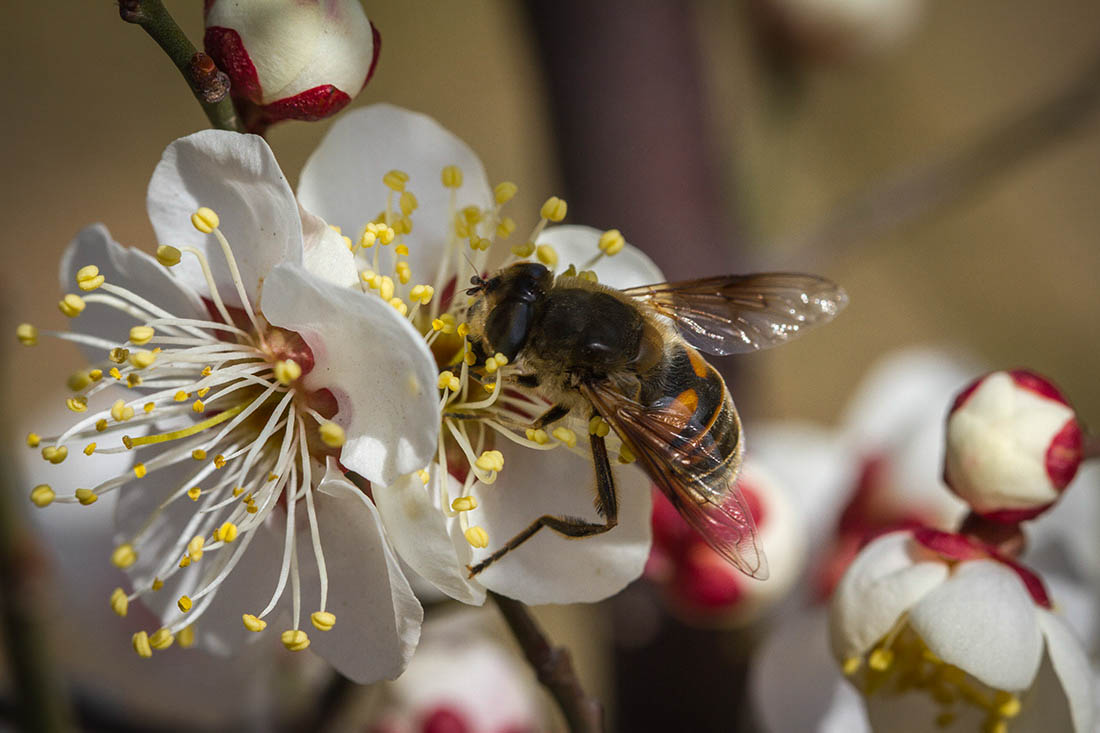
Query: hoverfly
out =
(632, 357)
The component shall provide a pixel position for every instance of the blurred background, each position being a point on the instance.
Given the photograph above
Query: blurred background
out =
(942, 167)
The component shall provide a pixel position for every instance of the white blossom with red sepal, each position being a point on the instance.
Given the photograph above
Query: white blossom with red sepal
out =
(291, 59)
(1013, 445)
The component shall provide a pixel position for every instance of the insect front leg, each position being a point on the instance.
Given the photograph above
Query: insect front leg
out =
(607, 504)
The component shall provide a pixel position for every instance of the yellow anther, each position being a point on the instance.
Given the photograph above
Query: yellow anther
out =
(386, 235)
(452, 176)
(462, 229)
(348, 244)
(34, 440)
(589, 275)
(86, 496)
(287, 371)
(121, 412)
(472, 215)
(1006, 704)
(612, 242)
(197, 406)
(396, 180)
(194, 547)
(161, 639)
(226, 533)
(185, 561)
(194, 493)
(332, 434)
(598, 426)
(205, 220)
(565, 435)
(141, 645)
(132, 380)
(181, 396)
(404, 272)
(447, 380)
(124, 556)
(464, 503)
(404, 225)
(77, 404)
(995, 726)
(118, 355)
(184, 604)
(142, 359)
(538, 436)
(477, 537)
(219, 461)
(385, 287)
(490, 460)
(469, 358)
(463, 329)
(491, 366)
(186, 637)
(500, 359)
(157, 584)
(422, 294)
(89, 449)
(119, 602)
(490, 387)
(88, 278)
(168, 255)
(253, 623)
(55, 453)
(402, 249)
(880, 659)
(424, 476)
(95, 375)
(42, 495)
(479, 244)
(101, 425)
(27, 334)
(295, 640)
(71, 305)
(238, 490)
(198, 454)
(336, 228)
(323, 620)
(367, 238)
(400, 306)
(251, 507)
(505, 227)
(554, 209)
(407, 202)
(504, 191)
(115, 373)
(140, 470)
(207, 371)
(142, 335)
(547, 255)
(78, 381)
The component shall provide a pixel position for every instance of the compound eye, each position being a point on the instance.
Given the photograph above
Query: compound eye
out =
(476, 280)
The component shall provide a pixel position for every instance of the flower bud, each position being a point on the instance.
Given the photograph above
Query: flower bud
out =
(291, 59)
(699, 585)
(1013, 444)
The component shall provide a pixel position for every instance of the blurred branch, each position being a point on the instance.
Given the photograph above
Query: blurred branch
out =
(553, 666)
(914, 193)
(1091, 447)
(209, 85)
(40, 704)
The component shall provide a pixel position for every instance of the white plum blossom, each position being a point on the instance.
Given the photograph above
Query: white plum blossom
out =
(241, 377)
(1013, 445)
(418, 209)
(291, 59)
(936, 635)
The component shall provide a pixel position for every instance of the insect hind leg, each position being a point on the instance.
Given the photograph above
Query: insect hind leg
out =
(607, 504)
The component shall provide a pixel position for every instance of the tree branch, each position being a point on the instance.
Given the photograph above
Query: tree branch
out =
(554, 668)
(913, 193)
(209, 85)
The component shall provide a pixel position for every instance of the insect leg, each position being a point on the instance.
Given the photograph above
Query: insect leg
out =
(555, 413)
(607, 504)
(523, 380)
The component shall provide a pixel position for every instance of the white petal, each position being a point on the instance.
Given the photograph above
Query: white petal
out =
(549, 568)
(983, 621)
(377, 616)
(887, 577)
(376, 365)
(342, 180)
(794, 663)
(576, 245)
(325, 254)
(412, 515)
(1063, 696)
(236, 176)
(129, 268)
(1071, 527)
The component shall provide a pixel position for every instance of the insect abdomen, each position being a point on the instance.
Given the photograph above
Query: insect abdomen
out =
(690, 392)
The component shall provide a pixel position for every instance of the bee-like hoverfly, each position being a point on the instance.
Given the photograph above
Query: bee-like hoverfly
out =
(632, 357)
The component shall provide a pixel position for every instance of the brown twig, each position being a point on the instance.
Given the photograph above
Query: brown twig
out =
(554, 668)
(1090, 447)
(916, 192)
(209, 85)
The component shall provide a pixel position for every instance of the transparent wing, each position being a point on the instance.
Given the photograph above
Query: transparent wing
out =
(718, 513)
(732, 314)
